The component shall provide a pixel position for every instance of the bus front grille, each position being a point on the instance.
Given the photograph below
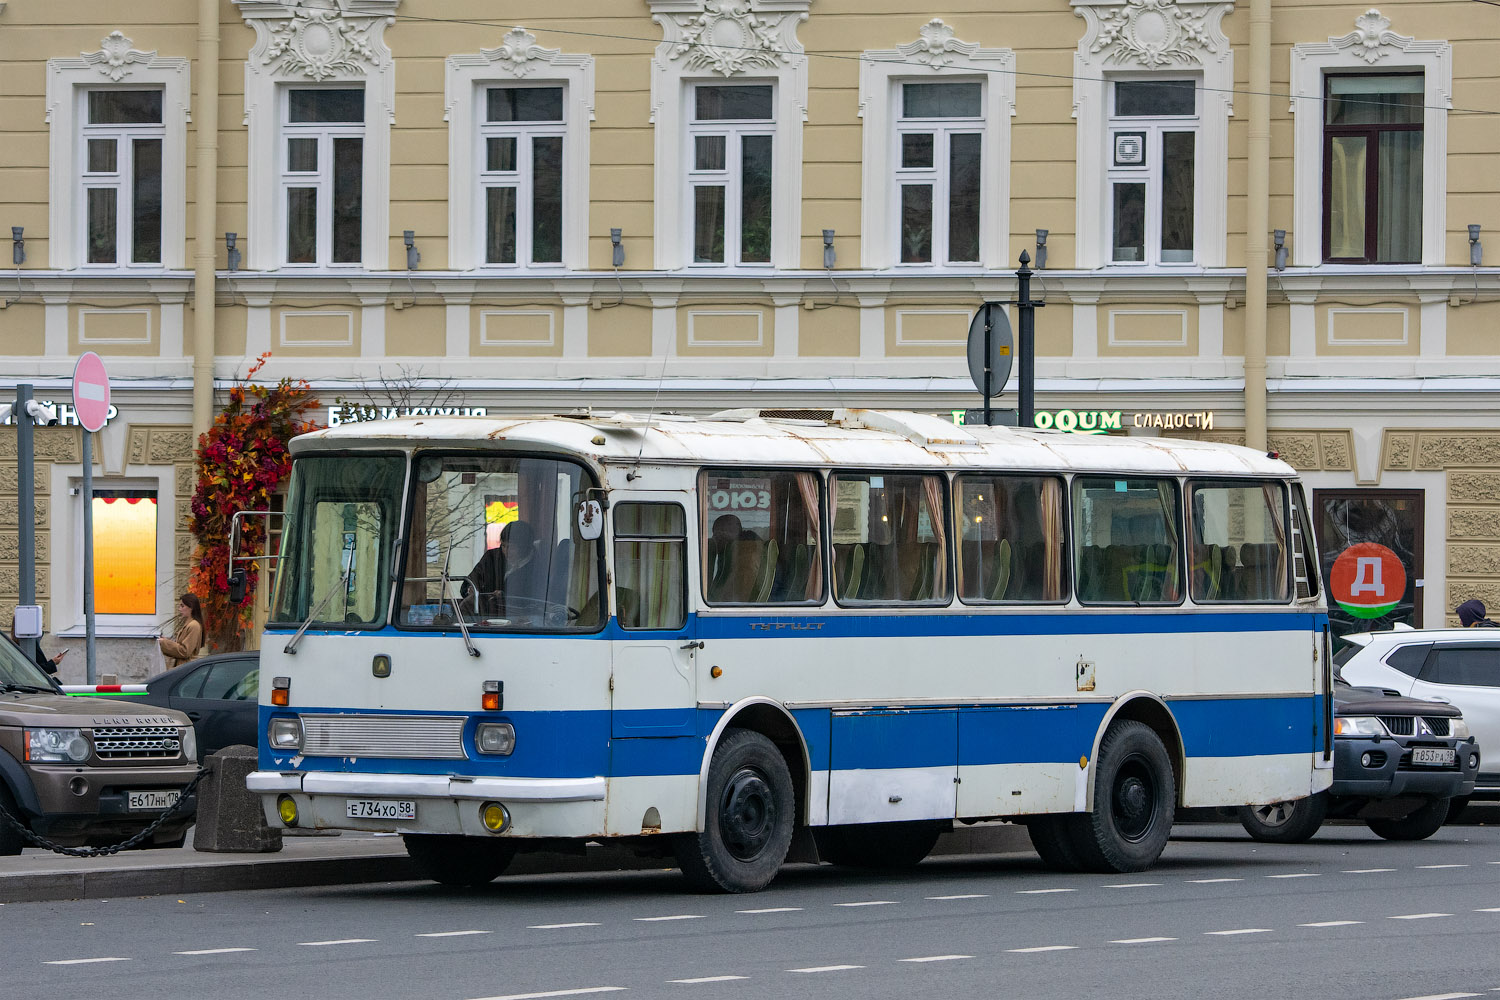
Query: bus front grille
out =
(420, 737)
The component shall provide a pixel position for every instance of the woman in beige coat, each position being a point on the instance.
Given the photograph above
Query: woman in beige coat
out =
(189, 639)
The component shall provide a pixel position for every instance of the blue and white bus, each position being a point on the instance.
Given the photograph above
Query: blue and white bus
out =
(847, 628)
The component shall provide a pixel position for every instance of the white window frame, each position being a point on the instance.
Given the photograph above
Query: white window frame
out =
(1140, 38)
(321, 179)
(935, 56)
(121, 179)
(730, 178)
(1151, 172)
(1372, 48)
(518, 60)
(298, 47)
(116, 66)
(687, 56)
(937, 176)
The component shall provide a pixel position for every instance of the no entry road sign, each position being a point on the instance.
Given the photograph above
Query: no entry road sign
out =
(90, 392)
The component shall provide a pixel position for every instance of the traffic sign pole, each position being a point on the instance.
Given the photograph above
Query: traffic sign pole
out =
(91, 403)
(26, 506)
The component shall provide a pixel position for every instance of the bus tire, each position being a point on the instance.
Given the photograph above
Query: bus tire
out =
(1427, 820)
(1135, 796)
(748, 827)
(878, 845)
(1052, 838)
(1292, 822)
(458, 861)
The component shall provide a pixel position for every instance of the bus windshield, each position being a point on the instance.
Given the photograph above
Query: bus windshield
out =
(341, 513)
(494, 540)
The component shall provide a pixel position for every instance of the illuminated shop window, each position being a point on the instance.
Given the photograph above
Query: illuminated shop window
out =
(125, 552)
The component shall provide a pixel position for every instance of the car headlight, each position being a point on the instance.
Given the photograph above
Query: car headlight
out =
(285, 734)
(495, 737)
(190, 743)
(1458, 728)
(1359, 725)
(57, 746)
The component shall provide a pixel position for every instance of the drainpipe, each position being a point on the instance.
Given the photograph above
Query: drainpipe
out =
(1257, 223)
(206, 203)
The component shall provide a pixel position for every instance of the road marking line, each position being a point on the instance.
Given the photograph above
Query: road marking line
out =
(827, 968)
(1045, 947)
(965, 895)
(212, 951)
(774, 909)
(1490, 909)
(1333, 923)
(675, 916)
(1446, 996)
(1242, 930)
(559, 993)
(558, 927)
(707, 979)
(1041, 892)
(1150, 940)
(870, 902)
(324, 944)
(1213, 881)
(1131, 885)
(1442, 866)
(438, 934)
(936, 958)
(1418, 916)
(1296, 875)
(1366, 871)
(84, 961)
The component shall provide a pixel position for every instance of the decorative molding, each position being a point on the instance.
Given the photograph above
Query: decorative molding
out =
(940, 51)
(116, 58)
(729, 37)
(320, 43)
(1158, 33)
(520, 53)
(1371, 37)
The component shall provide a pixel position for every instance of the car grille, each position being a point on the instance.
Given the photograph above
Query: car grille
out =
(419, 737)
(1406, 725)
(158, 742)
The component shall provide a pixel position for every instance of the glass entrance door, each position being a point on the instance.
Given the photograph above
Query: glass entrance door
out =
(1370, 545)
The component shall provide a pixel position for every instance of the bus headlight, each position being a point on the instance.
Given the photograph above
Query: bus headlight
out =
(1358, 725)
(285, 734)
(495, 737)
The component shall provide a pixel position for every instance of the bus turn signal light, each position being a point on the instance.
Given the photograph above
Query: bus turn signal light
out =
(493, 699)
(281, 691)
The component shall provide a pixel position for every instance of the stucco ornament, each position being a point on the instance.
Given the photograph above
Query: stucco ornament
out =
(519, 52)
(1371, 38)
(937, 47)
(321, 43)
(728, 37)
(116, 56)
(1153, 33)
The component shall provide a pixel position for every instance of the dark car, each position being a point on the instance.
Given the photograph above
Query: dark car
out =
(219, 693)
(1398, 763)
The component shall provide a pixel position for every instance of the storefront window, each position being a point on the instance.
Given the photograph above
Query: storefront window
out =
(1370, 546)
(125, 552)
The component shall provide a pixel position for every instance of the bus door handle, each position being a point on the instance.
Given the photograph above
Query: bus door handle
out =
(695, 644)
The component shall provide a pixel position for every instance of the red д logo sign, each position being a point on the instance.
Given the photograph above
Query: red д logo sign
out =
(90, 392)
(1367, 580)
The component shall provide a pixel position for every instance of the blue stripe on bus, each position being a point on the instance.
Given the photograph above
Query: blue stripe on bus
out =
(578, 744)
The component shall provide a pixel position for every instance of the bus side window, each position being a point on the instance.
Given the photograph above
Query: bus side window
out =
(890, 539)
(1304, 554)
(1010, 539)
(1239, 549)
(650, 565)
(1127, 540)
(761, 531)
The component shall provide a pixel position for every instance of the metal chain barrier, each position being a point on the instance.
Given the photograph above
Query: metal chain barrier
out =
(99, 852)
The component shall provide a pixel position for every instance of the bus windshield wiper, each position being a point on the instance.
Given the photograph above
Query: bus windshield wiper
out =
(343, 582)
(458, 614)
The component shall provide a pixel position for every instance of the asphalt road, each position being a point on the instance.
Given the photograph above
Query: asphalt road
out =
(1345, 916)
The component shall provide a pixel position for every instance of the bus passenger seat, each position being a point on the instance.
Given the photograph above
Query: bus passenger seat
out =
(765, 577)
(1002, 570)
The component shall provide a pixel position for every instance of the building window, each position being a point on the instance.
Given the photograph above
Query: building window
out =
(322, 175)
(730, 143)
(1372, 169)
(939, 139)
(125, 552)
(1153, 131)
(521, 175)
(121, 152)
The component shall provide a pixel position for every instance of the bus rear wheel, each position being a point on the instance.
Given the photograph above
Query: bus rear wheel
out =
(748, 827)
(458, 861)
(1135, 795)
(878, 845)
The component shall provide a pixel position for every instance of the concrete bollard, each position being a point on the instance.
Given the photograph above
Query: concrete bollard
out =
(230, 820)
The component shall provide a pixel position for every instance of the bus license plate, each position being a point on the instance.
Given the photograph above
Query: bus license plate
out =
(151, 801)
(1432, 756)
(381, 809)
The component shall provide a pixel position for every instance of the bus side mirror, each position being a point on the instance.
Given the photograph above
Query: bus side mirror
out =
(237, 588)
(590, 520)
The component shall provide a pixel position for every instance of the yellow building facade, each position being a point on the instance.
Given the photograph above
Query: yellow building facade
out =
(693, 205)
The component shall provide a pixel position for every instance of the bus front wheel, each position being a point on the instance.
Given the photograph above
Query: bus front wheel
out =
(1135, 794)
(458, 861)
(748, 826)
(1292, 822)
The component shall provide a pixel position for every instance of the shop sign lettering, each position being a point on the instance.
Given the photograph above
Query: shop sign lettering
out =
(1078, 421)
(359, 414)
(67, 416)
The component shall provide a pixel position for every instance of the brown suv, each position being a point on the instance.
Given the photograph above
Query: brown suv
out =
(85, 771)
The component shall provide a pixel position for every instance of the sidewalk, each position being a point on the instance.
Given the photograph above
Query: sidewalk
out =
(348, 859)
